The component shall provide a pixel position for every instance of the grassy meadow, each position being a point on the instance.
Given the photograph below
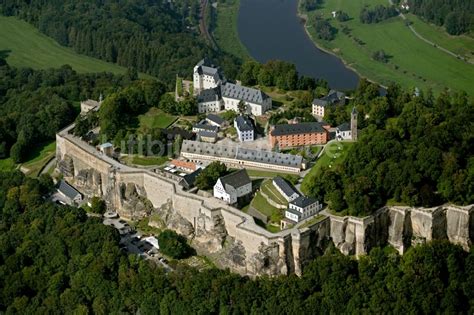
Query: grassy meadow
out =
(225, 33)
(25, 46)
(412, 62)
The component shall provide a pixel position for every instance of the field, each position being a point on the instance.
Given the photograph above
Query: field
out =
(39, 158)
(270, 190)
(412, 62)
(155, 118)
(334, 153)
(27, 47)
(260, 203)
(225, 33)
(462, 45)
(145, 160)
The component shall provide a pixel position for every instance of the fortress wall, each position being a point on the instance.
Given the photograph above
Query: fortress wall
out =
(460, 225)
(288, 250)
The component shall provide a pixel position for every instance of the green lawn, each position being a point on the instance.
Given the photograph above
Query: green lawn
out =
(145, 160)
(265, 174)
(155, 118)
(334, 153)
(261, 204)
(270, 190)
(6, 164)
(39, 157)
(29, 48)
(312, 221)
(462, 45)
(226, 34)
(413, 63)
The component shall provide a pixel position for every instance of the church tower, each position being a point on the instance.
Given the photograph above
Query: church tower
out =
(354, 124)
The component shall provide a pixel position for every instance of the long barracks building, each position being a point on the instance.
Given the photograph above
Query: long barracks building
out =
(238, 157)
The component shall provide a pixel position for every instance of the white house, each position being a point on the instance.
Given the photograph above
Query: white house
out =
(233, 186)
(70, 193)
(201, 126)
(215, 120)
(206, 76)
(302, 208)
(257, 101)
(245, 129)
(343, 132)
(285, 189)
(209, 100)
(333, 98)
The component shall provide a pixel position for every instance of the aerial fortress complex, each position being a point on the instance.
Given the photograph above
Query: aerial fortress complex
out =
(230, 236)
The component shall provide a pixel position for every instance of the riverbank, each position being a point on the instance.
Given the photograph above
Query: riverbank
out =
(225, 33)
(411, 63)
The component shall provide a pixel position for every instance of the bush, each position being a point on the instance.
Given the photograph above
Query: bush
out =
(324, 29)
(98, 205)
(380, 55)
(174, 245)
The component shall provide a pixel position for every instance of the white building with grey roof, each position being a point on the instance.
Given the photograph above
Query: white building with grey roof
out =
(206, 76)
(257, 101)
(209, 100)
(245, 128)
(333, 98)
(239, 157)
(302, 208)
(285, 189)
(233, 186)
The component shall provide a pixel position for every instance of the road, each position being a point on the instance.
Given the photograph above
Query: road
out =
(412, 29)
(203, 24)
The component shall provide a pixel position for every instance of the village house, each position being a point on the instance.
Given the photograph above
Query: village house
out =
(333, 98)
(285, 189)
(184, 165)
(209, 100)
(69, 193)
(233, 186)
(296, 135)
(207, 136)
(201, 126)
(245, 128)
(302, 208)
(215, 120)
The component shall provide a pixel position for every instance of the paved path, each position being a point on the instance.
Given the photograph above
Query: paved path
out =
(48, 166)
(203, 23)
(412, 29)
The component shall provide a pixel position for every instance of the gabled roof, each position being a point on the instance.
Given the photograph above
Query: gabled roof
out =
(332, 97)
(243, 93)
(244, 123)
(68, 190)
(215, 119)
(239, 153)
(205, 66)
(206, 127)
(303, 201)
(343, 127)
(297, 213)
(207, 134)
(188, 180)
(236, 179)
(293, 129)
(284, 186)
(209, 95)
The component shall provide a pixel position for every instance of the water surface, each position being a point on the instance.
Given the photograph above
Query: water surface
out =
(271, 29)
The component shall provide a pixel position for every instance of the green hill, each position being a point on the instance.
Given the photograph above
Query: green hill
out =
(25, 46)
(411, 61)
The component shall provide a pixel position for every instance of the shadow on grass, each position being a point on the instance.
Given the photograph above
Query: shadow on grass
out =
(5, 53)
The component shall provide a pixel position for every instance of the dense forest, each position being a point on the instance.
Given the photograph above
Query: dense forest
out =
(35, 104)
(456, 16)
(56, 260)
(156, 37)
(377, 14)
(417, 150)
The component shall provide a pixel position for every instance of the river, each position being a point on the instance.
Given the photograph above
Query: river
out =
(271, 29)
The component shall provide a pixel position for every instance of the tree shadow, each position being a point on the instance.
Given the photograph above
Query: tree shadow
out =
(5, 53)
